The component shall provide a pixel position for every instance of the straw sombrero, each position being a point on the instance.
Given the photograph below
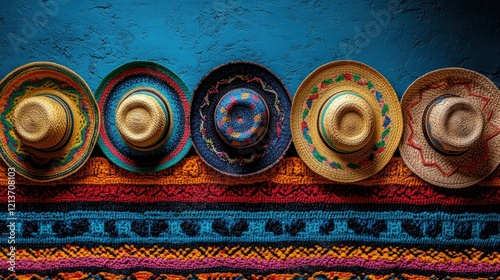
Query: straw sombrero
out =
(451, 127)
(346, 121)
(49, 121)
(145, 110)
(240, 119)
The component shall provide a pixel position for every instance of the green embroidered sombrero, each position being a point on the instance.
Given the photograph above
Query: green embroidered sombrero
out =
(49, 119)
(346, 121)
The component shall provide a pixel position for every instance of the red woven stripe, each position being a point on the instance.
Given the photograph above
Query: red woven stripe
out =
(256, 193)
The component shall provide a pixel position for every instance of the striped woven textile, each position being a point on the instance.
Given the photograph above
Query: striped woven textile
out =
(190, 222)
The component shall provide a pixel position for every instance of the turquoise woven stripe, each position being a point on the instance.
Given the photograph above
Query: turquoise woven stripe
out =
(202, 215)
(236, 226)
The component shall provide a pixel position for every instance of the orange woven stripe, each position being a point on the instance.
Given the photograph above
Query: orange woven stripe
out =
(291, 170)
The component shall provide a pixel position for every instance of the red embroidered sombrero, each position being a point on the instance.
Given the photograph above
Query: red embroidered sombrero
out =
(451, 127)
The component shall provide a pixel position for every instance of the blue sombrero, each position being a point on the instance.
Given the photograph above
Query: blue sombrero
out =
(240, 119)
(145, 110)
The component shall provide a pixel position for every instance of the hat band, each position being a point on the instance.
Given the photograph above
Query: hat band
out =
(164, 106)
(69, 124)
(427, 128)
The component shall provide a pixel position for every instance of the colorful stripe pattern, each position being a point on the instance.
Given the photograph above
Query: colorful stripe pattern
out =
(277, 226)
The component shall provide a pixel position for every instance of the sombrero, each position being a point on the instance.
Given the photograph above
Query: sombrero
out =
(49, 119)
(346, 121)
(451, 127)
(145, 110)
(240, 119)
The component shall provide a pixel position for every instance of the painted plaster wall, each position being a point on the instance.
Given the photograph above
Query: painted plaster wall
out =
(402, 39)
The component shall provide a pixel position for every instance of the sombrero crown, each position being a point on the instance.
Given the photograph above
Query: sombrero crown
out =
(50, 121)
(451, 127)
(346, 121)
(142, 119)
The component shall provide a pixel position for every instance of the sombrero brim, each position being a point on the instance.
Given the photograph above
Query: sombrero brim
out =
(321, 84)
(27, 81)
(208, 144)
(457, 171)
(126, 78)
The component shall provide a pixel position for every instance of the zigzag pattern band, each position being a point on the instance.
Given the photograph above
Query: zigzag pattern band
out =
(339, 275)
(259, 258)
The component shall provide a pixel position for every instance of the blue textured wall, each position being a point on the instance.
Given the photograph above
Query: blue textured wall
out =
(401, 39)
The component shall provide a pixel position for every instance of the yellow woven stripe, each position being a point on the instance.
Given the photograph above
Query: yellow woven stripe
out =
(291, 170)
(143, 275)
(472, 256)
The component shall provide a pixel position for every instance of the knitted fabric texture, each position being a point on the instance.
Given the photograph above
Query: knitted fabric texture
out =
(189, 222)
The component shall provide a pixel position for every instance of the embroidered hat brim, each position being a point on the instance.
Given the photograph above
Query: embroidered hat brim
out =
(463, 169)
(42, 78)
(318, 88)
(271, 146)
(150, 77)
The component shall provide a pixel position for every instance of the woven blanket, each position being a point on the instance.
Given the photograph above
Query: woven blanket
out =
(190, 222)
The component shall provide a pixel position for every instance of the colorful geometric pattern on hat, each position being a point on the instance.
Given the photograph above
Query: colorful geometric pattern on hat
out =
(315, 93)
(32, 80)
(241, 118)
(491, 129)
(215, 89)
(140, 75)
